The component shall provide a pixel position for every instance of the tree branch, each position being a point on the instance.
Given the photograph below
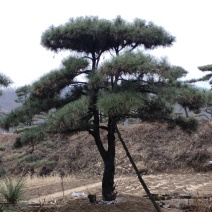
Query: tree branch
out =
(87, 57)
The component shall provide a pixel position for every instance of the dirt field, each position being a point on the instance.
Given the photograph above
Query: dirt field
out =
(130, 194)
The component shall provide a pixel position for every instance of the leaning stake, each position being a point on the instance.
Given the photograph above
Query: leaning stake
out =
(137, 172)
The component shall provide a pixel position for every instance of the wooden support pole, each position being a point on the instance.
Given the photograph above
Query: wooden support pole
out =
(157, 207)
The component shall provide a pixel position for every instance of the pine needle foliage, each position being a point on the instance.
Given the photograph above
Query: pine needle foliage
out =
(117, 104)
(207, 77)
(71, 117)
(31, 135)
(5, 81)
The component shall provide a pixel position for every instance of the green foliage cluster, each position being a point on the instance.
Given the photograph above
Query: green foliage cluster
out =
(12, 119)
(70, 117)
(188, 125)
(49, 144)
(5, 81)
(83, 34)
(193, 99)
(129, 63)
(41, 162)
(33, 161)
(207, 77)
(53, 82)
(27, 158)
(118, 104)
(155, 108)
(32, 135)
(12, 191)
(2, 171)
(22, 93)
(2, 148)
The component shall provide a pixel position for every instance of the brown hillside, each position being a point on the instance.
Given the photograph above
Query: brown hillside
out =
(154, 147)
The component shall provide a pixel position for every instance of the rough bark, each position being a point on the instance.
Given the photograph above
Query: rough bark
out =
(108, 188)
(108, 157)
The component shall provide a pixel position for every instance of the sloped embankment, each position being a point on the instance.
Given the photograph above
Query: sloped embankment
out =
(154, 147)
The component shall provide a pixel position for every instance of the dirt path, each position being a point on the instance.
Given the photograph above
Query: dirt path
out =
(89, 188)
(170, 184)
(159, 184)
(66, 192)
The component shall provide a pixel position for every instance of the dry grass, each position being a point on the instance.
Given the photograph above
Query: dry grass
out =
(48, 180)
(160, 149)
(54, 186)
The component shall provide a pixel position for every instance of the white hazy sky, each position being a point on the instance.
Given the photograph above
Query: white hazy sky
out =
(22, 22)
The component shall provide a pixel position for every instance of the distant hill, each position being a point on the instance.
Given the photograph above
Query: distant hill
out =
(7, 100)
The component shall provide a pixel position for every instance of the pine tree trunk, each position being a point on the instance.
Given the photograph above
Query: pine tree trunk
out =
(109, 164)
(108, 155)
(108, 181)
(186, 112)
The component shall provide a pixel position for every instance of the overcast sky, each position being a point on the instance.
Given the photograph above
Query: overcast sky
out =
(22, 22)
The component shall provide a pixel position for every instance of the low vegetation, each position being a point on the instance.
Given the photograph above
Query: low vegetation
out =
(12, 190)
(154, 147)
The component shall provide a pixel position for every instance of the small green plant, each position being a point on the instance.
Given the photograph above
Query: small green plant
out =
(18, 143)
(27, 158)
(12, 191)
(30, 136)
(18, 151)
(49, 144)
(41, 162)
(2, 171)
(2, 148)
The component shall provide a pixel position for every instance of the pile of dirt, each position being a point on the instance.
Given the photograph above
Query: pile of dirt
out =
(154, 147)
(129, 204)
(125, 203)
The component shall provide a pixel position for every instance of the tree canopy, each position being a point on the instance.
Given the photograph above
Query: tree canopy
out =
(93, 36)
(207, 77)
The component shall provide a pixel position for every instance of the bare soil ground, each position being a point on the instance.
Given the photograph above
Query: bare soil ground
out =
(131, 204)
(172, 184)
(130, 193)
